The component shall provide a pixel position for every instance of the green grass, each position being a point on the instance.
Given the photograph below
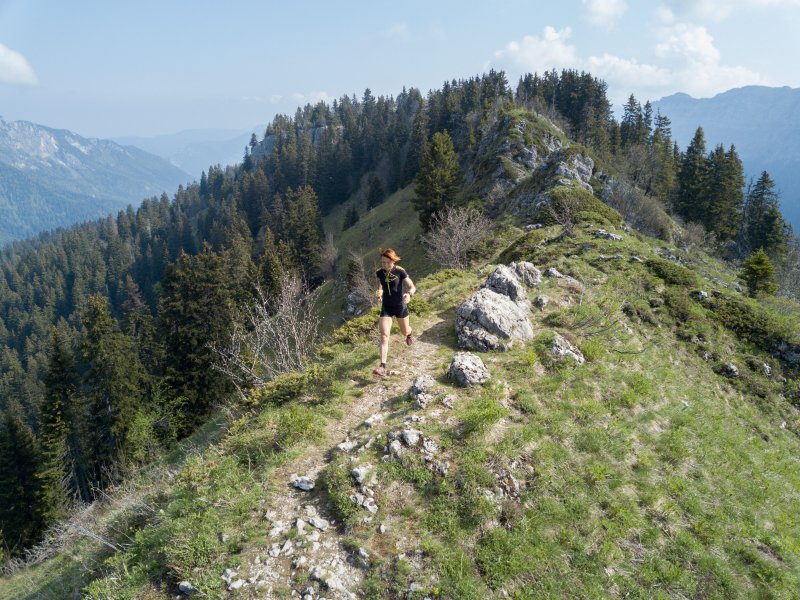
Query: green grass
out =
(643, 473)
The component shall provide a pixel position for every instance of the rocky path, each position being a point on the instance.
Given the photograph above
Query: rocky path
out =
(307, 557)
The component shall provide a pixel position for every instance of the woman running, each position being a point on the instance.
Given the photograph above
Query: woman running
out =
(394, 302)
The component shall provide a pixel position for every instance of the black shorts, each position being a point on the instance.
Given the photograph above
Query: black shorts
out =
(398, 311)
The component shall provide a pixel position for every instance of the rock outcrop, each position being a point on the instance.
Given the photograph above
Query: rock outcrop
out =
(562, 347)
(467, 369)
(491, 321)
(575, 168)
(527, 273)
(503, 280)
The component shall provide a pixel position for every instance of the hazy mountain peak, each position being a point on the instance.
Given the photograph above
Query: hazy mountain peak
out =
(760, 121)
(55, 177)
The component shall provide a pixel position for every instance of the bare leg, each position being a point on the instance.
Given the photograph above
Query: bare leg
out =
(405, 328)
(385, 326)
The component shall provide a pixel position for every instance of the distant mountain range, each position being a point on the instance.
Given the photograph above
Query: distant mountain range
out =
(763, 124)
(194, 150)
(52, 178)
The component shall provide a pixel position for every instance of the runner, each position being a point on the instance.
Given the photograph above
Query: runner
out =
(394, 302)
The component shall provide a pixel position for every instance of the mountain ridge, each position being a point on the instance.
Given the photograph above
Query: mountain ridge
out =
(55, 177)
(759, 120)
(194, 150)
(639, 442)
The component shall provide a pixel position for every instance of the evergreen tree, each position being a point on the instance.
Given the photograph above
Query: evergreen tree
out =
(138, 324)
(61, 466)
(113, 388)
(303, 229)
(691, 200)
(664, 163)
(275, 261)
(759, 274)
(417, 145)
(20, 508)
(195, 312)
(375, 192)
(351, 217)
(632, 128)
(764, 226)
(438, 180)
(725, 194)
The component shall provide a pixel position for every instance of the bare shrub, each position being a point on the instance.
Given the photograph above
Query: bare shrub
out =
(789, 270)
(329, 255)
(644, 213)
(565, 213)
(360, 292)
(694, 235)
(454, 230)
(275, 335)
(494, 201)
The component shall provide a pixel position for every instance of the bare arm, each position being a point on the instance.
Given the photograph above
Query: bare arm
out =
(411, 289)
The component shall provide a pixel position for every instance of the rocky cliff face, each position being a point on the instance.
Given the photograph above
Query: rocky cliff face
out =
(524, 158)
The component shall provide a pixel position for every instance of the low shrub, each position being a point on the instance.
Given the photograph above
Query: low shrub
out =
(336, 482)
(524, 248)
(582, 204)
(357, 330)
(679, 304)
(481, 414)
(440, 276)
(292, 386)
(749, 322)
(298, 423)
(671, 272)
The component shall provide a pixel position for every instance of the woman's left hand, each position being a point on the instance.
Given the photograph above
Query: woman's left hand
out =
(406, 297)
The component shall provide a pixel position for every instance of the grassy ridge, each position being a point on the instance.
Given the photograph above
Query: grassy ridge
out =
(644, 473)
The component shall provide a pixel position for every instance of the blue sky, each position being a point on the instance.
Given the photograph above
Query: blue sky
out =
(110, 69)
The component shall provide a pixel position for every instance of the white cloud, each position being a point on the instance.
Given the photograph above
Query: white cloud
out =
(628, 72)
(604, 12)
(665, 14)
(719, 10)
(692, 42)
(275, 98)
(398, 31)
(14, 68)
(687, 62)
(534, 53)
(311, 97)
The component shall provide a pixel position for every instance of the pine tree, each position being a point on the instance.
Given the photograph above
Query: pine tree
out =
(304, 229)
(764, 226)
(759, 274)
(632, 128)
(138, 324)
(275, 261)
(351, 217)
(375, 192)
(61, 467)
(664, 164)
(20, 508)
(691, 200)
(195, 312)
(725, 195)
(417, 145)
(438, 180)
(113, 388)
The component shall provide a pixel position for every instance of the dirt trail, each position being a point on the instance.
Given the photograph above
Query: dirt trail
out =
(307, 555)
